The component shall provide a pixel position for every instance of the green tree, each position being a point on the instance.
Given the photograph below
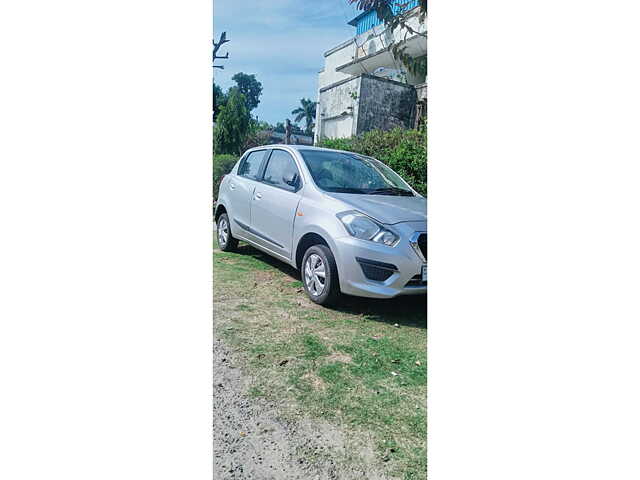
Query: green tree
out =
(306, 111)
(232, 125)
(219, 100)
(250, 88)
(259, 134)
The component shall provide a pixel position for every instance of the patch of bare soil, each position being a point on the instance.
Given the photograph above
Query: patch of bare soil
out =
(339, 357)
(251, 441)
(263, 278)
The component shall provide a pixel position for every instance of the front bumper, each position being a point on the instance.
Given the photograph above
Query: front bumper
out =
(350, 253)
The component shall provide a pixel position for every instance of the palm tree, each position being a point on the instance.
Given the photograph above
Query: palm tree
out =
(307, 110)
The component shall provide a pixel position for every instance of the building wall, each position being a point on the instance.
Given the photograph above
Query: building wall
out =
(337, 111)
(421, 105)
(385, 104)
(343, 53)
(374, 40)
(379, 103)
(364, 103)
(414, 22)
(367, 43)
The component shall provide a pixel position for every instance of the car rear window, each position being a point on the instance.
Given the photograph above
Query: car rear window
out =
(280, 164)
(250, 166)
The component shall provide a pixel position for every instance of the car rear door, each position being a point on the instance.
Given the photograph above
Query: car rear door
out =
(275, 203)
(241, 188)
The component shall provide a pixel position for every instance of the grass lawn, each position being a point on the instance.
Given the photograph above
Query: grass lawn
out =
(350, 365)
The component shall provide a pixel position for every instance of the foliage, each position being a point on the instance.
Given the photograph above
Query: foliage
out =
(259, 134)
(295, 129)
(250, 88)
(219, 100)
(306, 111)
(222, 164)
(256, 138)
(394, 14)
(384, 7)
(261, 125)
(232, 125)
(405, 151)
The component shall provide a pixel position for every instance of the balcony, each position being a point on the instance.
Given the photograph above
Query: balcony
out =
(375, 54)
(373, 42)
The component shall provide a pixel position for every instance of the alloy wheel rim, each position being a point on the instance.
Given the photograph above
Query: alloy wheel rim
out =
(315, 275)
(223, 232)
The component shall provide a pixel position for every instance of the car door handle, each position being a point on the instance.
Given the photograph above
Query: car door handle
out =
(258, 196)
(232, 186)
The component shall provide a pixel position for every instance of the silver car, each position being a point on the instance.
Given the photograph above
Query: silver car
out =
(349, 223)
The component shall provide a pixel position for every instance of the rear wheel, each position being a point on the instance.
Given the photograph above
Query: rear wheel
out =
(320, 275)
(225, 240)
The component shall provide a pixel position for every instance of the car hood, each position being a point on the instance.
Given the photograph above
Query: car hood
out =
(388, 209)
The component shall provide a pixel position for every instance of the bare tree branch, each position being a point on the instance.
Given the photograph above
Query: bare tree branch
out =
(222, 41)
(216, 47)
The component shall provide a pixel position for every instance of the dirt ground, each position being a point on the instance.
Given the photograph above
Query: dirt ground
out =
(306, 392)
(252, 442)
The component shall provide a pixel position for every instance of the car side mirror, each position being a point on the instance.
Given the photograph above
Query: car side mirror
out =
(290, 179)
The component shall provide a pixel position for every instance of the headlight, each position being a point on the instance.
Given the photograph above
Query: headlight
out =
(365, 228)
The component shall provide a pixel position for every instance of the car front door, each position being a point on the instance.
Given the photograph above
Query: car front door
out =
(241, 188)
(275, 202)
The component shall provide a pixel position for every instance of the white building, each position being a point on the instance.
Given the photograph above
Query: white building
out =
(363, 86)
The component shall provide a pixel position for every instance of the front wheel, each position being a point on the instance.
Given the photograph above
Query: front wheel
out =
(320, 275)
(225, 240)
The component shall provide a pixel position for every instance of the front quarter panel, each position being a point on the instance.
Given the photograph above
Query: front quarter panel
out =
(318, 215)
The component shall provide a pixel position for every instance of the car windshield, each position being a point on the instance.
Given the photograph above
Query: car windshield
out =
(345, 172)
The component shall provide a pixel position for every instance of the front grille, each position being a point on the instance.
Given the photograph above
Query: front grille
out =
(377, 271)
(422, 243)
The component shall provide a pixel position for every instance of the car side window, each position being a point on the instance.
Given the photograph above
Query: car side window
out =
(282, 171)
(250, 166)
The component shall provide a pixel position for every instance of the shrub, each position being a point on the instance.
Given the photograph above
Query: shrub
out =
(403, 150)
(222, 164)
(256, 139)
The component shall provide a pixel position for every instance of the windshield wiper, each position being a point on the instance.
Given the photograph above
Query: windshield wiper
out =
(345, 190)
(391, 191)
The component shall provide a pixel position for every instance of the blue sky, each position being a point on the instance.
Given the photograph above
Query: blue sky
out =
(282, 42)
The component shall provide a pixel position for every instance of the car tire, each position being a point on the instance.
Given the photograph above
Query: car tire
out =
(226, 241)
(319, 260)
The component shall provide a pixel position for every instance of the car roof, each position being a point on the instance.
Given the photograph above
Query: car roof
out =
(303, 147)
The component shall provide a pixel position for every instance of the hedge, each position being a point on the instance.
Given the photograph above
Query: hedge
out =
(222, 164)
(405, 151)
